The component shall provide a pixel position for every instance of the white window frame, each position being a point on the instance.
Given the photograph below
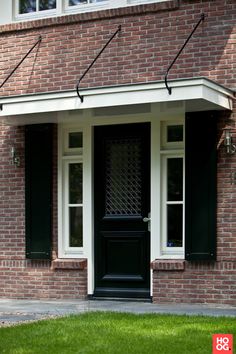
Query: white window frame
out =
(66, 229)
(63, 7)
(71, 151)
(67, 156)
(138, 2)
(170, 150)
(164, 204)
(86, 7)
(33, 15)
(165, 144)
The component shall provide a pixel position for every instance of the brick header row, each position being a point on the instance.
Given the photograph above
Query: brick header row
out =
(90, 16)
(69, 264)
(168, 265)
(176, 265)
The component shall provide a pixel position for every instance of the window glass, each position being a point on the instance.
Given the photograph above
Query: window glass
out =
(174, 133)
(76, 227)
(75, 204)
(47, 4)
(173, 202)
(41, 8)
(175, 179)
(75, 183)
(175, 225)
(172, 136)
(123, 176)
(27, 6)
(75, 140)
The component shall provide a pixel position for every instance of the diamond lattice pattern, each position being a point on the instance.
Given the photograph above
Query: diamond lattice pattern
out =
(123, 177)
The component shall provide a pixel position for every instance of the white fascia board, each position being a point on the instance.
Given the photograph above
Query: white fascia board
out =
(156, 92)
(221, 100)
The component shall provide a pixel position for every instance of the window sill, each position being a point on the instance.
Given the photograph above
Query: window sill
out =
(79, 264)
(168, 265)
(72, 17)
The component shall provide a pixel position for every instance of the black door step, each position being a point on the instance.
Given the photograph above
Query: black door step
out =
(123, 299)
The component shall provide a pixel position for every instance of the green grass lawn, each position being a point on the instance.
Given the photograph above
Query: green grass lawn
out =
(113, 333)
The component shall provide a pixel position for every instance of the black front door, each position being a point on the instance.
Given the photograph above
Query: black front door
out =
(122, 200)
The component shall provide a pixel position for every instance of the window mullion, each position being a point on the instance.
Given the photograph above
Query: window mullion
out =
(179, 202)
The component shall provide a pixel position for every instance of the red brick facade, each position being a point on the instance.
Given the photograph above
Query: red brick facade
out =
(150, 38)
(21, 278)
(194, 282)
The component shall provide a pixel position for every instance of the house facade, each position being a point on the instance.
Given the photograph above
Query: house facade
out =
(117, 174)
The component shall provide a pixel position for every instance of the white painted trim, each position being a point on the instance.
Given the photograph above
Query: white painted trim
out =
(60, 192)
(155, 249)
(31, 15)
(68, 250)
(85, 124)
(88, 221)
(155, 189)
(203, 92)
(173, 251)
(11, 14)
(87, 250)
(169, 146)
(64, 160)
(72, 151)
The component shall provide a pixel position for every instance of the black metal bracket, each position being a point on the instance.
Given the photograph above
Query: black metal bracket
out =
(98, 55)
(180, 51)
(17, 66)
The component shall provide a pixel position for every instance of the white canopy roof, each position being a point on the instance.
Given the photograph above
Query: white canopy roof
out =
(196, 94)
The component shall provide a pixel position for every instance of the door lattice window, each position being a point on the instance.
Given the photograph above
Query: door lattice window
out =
(123, 177)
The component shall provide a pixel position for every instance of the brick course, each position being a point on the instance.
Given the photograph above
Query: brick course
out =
(21, 278)
(196, 283)
(150, 38)
(35, 280)
(146, 45)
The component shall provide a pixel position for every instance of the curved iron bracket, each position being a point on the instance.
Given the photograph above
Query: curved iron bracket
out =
(86, 71)
(17, 66)
(180, 51)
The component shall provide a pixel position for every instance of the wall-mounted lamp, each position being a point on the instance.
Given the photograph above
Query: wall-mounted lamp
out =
(228, 141)
(15, 158)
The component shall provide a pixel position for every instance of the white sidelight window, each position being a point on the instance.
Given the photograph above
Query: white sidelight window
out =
(71, 161)
(73, 193)
(172, 189)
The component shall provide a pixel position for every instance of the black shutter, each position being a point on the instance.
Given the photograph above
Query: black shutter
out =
(38, 190)
(200, 198)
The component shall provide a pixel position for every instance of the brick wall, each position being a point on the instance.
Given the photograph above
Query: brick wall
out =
(150, 38)
(142, 52)
(11, 195)
(39, 280)
(194, 282)
(207, 282)
(21, 278)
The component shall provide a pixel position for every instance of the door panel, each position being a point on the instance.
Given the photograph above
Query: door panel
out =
(130, 245)
(122, 200)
